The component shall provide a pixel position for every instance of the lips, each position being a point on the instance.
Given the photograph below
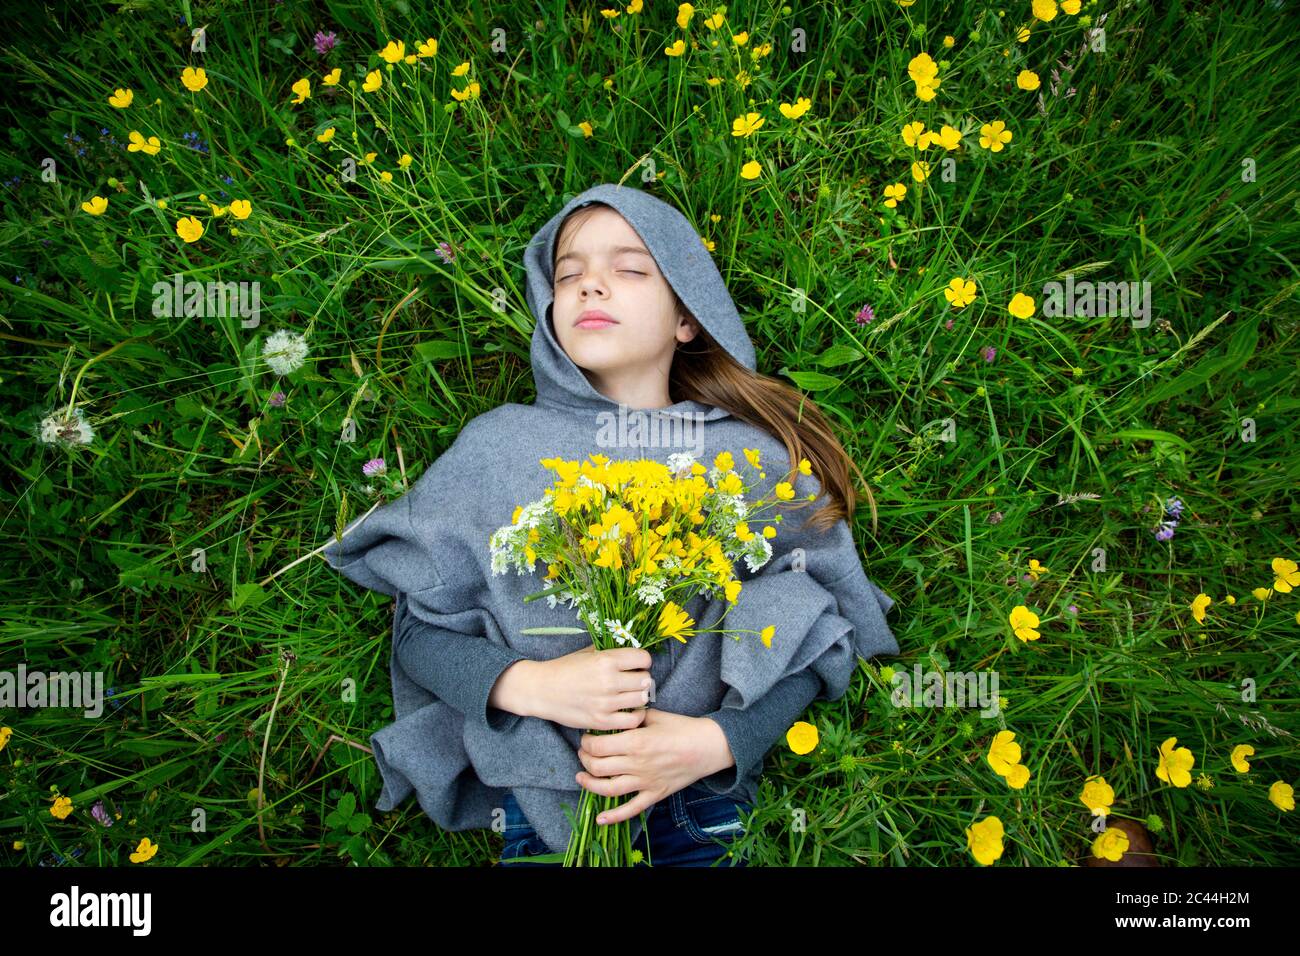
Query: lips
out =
(595, 319)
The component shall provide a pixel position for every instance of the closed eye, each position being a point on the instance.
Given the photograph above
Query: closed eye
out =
(630, 272)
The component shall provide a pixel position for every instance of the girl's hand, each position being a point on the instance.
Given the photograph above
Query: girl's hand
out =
(589, 689)
(667, 753)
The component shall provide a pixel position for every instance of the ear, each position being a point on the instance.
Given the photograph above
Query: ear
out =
(687, 327)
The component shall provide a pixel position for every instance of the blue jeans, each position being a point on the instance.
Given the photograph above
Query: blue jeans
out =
(691, 827)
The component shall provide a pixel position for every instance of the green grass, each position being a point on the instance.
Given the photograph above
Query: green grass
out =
(230, 679)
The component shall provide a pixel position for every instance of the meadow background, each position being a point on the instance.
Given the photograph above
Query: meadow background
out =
(1068, 434)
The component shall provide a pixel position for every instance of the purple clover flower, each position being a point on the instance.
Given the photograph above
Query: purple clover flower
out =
(325, 41)
(100, 814)
(277, 400)
(375, 466)
(865, 315)
(446, 253)
(989, 353)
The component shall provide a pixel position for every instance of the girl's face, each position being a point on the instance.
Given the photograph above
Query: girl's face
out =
(603, 266)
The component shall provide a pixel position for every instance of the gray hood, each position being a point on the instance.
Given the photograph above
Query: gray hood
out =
(685, 264)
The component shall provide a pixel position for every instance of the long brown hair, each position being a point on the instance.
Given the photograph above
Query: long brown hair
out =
(704, 372)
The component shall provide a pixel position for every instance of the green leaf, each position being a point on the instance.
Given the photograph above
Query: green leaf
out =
(838, 355)
(248, 594)
(814, 381)
(439, 350)
(1146, 434)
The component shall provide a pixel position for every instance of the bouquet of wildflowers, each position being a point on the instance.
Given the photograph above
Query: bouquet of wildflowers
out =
(628, 543)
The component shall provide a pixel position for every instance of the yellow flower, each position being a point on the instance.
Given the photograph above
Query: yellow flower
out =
(674, 622)
(144, 851)
(1027, 80)
(469, 93)
(1262, 594)
(1097, 796)
(961, 293)
(1070, 6)
(948, 137)
(386, 176)
(984, 840)
(634, 7)
(1282, 796)
(217, 211)
(95, 205)
(922, 68)
(894, 193)
(948, 42)
(676, 48)
(1175, 765)
(5, 734)
(724, 462)
(684, 13)
(61, 808)
(610, 14)
(189, 229)
(1044, 9)
(1111, 844)
(374, 80)
(161, 203)
(715, 21)
(121, 98)
(194, 79)
(332, 77)
(326, 136)
(802, 737)
(1022, 36)
(1003, 753)
(747, 124)
(805, 466)
(914, 135)
(750, 170)
(396, 50)
(920, 171)
(585, 126)
(410, 58)
(428, 48)
(796, 109)
(1287, 574)
(1199, 604)
(404, 161)
(1238, 758)
(461, 70)
(766, 634)
(1024, 622)
(784, 491)
(1229, 600)
(1021, 306)
(240, 208)
(708, 244)
(138, 144)
(302, 89)
(994, 135)
(740, 39)
(369, 158)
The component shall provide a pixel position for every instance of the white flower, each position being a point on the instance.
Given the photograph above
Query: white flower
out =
(758, 553)
(679, 460)
(69, 429)
(284, 351)
(618, 630)
(650, 591)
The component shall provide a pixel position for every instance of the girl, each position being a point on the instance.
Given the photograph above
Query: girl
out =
(636, 338)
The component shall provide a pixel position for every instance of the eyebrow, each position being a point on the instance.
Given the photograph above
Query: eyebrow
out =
(616, 250)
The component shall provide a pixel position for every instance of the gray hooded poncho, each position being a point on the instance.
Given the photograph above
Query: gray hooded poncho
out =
(457, 624)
